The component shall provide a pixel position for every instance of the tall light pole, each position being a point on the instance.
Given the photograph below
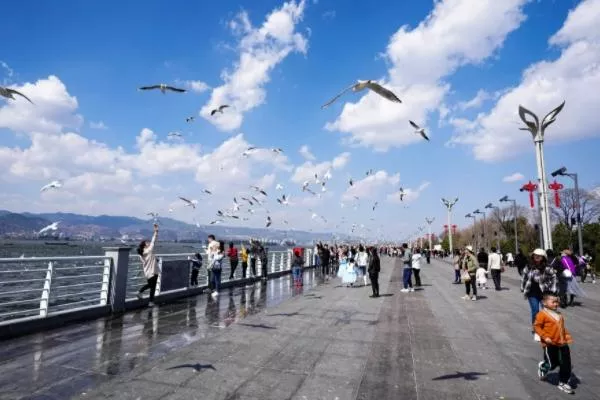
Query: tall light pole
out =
(504, 199)
(493, 207)
(429, 222)
(484, 233)
(449, 205)
(537, 131)
(563, 172)
(474, 231)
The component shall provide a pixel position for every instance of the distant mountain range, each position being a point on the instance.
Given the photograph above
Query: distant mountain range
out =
(106, 227)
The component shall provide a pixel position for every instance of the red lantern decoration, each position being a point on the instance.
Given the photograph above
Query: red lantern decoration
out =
(530, 187)
(556, 187)
(453, 228)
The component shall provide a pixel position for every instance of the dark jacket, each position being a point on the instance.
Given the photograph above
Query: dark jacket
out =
(374, 265)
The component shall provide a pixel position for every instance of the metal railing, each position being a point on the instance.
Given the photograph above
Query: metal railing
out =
(37, 288)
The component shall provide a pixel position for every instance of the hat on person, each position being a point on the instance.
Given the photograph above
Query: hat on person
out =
(539, 252)
(469, 248)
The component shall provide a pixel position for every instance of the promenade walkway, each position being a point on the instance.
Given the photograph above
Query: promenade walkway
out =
(321, 342)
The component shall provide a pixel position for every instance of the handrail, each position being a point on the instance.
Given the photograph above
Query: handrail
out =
(62, 285)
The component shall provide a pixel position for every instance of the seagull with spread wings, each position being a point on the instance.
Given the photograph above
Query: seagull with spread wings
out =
(269, 221)
(259, 190)
(190, 203)
(189, 119)
(9, 94)
(51, 185)
(419, 130)
(371, 85)
(284, 200)
(173, 135)
(52, 227)
(279, 186)
(163, 88)
(401, 191)
(219, 110)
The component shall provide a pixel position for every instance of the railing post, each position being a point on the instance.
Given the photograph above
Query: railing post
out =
(159, 260)
(273, 255)
(118, 276)
(281, 259)
(289, 260)
(105, 281)
(45, 300)
(258, 267)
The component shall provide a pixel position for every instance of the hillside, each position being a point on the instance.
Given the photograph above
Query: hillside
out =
(77, 226)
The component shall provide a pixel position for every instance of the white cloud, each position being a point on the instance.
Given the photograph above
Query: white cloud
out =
(194, 86)
(307, 171)
(54, 108)
(454, 34)
(545, 85)
(371, 186)
(475, 102)
(305, 152)
(261, 50)
(9, 71)
(98, 125)
(516, 177)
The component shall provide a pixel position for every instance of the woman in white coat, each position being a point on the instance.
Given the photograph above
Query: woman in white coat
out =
(149, 265)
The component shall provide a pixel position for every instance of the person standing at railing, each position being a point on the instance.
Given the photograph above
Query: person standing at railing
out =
(149, 265)
(253, 254)
(211, 250)
(264, 261)
(216, 267)
(232, 253)
(244, 256)
(196, 265)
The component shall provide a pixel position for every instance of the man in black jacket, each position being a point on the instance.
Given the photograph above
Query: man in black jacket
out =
(482, 258)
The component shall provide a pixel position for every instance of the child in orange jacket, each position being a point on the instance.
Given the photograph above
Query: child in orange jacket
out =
(555, 339)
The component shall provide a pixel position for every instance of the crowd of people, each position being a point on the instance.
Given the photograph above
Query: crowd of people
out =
(548, 281)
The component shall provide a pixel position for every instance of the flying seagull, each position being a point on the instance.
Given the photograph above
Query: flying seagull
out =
(259, 190)
(375, 205)
(217, 221)
(52, 227)
(401, 194)
(8, 93)
(369, 84)
(351, 182)
(419, 130)
(279, 187)
(51, 185)
(268, 221)
(191, 203)
(283, 200)
(189, 119)
(327, 175)
(163, 88)
(369, 172)
(277, 150)
(206, 191)
(220, 109)
(172, 135)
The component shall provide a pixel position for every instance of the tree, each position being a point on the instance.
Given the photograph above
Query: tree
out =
(566, 213)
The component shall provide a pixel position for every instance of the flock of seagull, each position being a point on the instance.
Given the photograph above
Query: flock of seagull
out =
(250, 202)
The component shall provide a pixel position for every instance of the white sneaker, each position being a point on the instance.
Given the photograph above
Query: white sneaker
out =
(411, 289)
(140, 296)
(565, 387)
(474, 298)
(214, 294)
(404, 290)
(466, 297)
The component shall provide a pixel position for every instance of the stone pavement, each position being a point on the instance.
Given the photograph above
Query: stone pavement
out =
(333, 342)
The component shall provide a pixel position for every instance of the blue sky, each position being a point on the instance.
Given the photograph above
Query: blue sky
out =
(458, 65)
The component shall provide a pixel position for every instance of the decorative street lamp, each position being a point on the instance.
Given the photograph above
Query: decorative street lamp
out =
(491, 206)
(563, 172)
(474, 223)
(504, 199)
(449, 205)
(537, 131)
(429, 222)
(483, 230)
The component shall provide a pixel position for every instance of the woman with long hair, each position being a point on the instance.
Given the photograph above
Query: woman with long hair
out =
(149, 265)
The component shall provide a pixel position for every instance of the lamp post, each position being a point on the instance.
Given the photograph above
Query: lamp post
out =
(493, 207)
(537, 130)
(563, 172)
(429, 222)
(484, 233)
(474, 223)
(504, 199)
(449, 205)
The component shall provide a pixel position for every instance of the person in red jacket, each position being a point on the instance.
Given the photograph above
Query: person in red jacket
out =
(232, 253)
(555, 339)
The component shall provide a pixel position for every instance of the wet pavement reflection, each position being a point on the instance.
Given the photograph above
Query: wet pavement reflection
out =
(67, 361)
